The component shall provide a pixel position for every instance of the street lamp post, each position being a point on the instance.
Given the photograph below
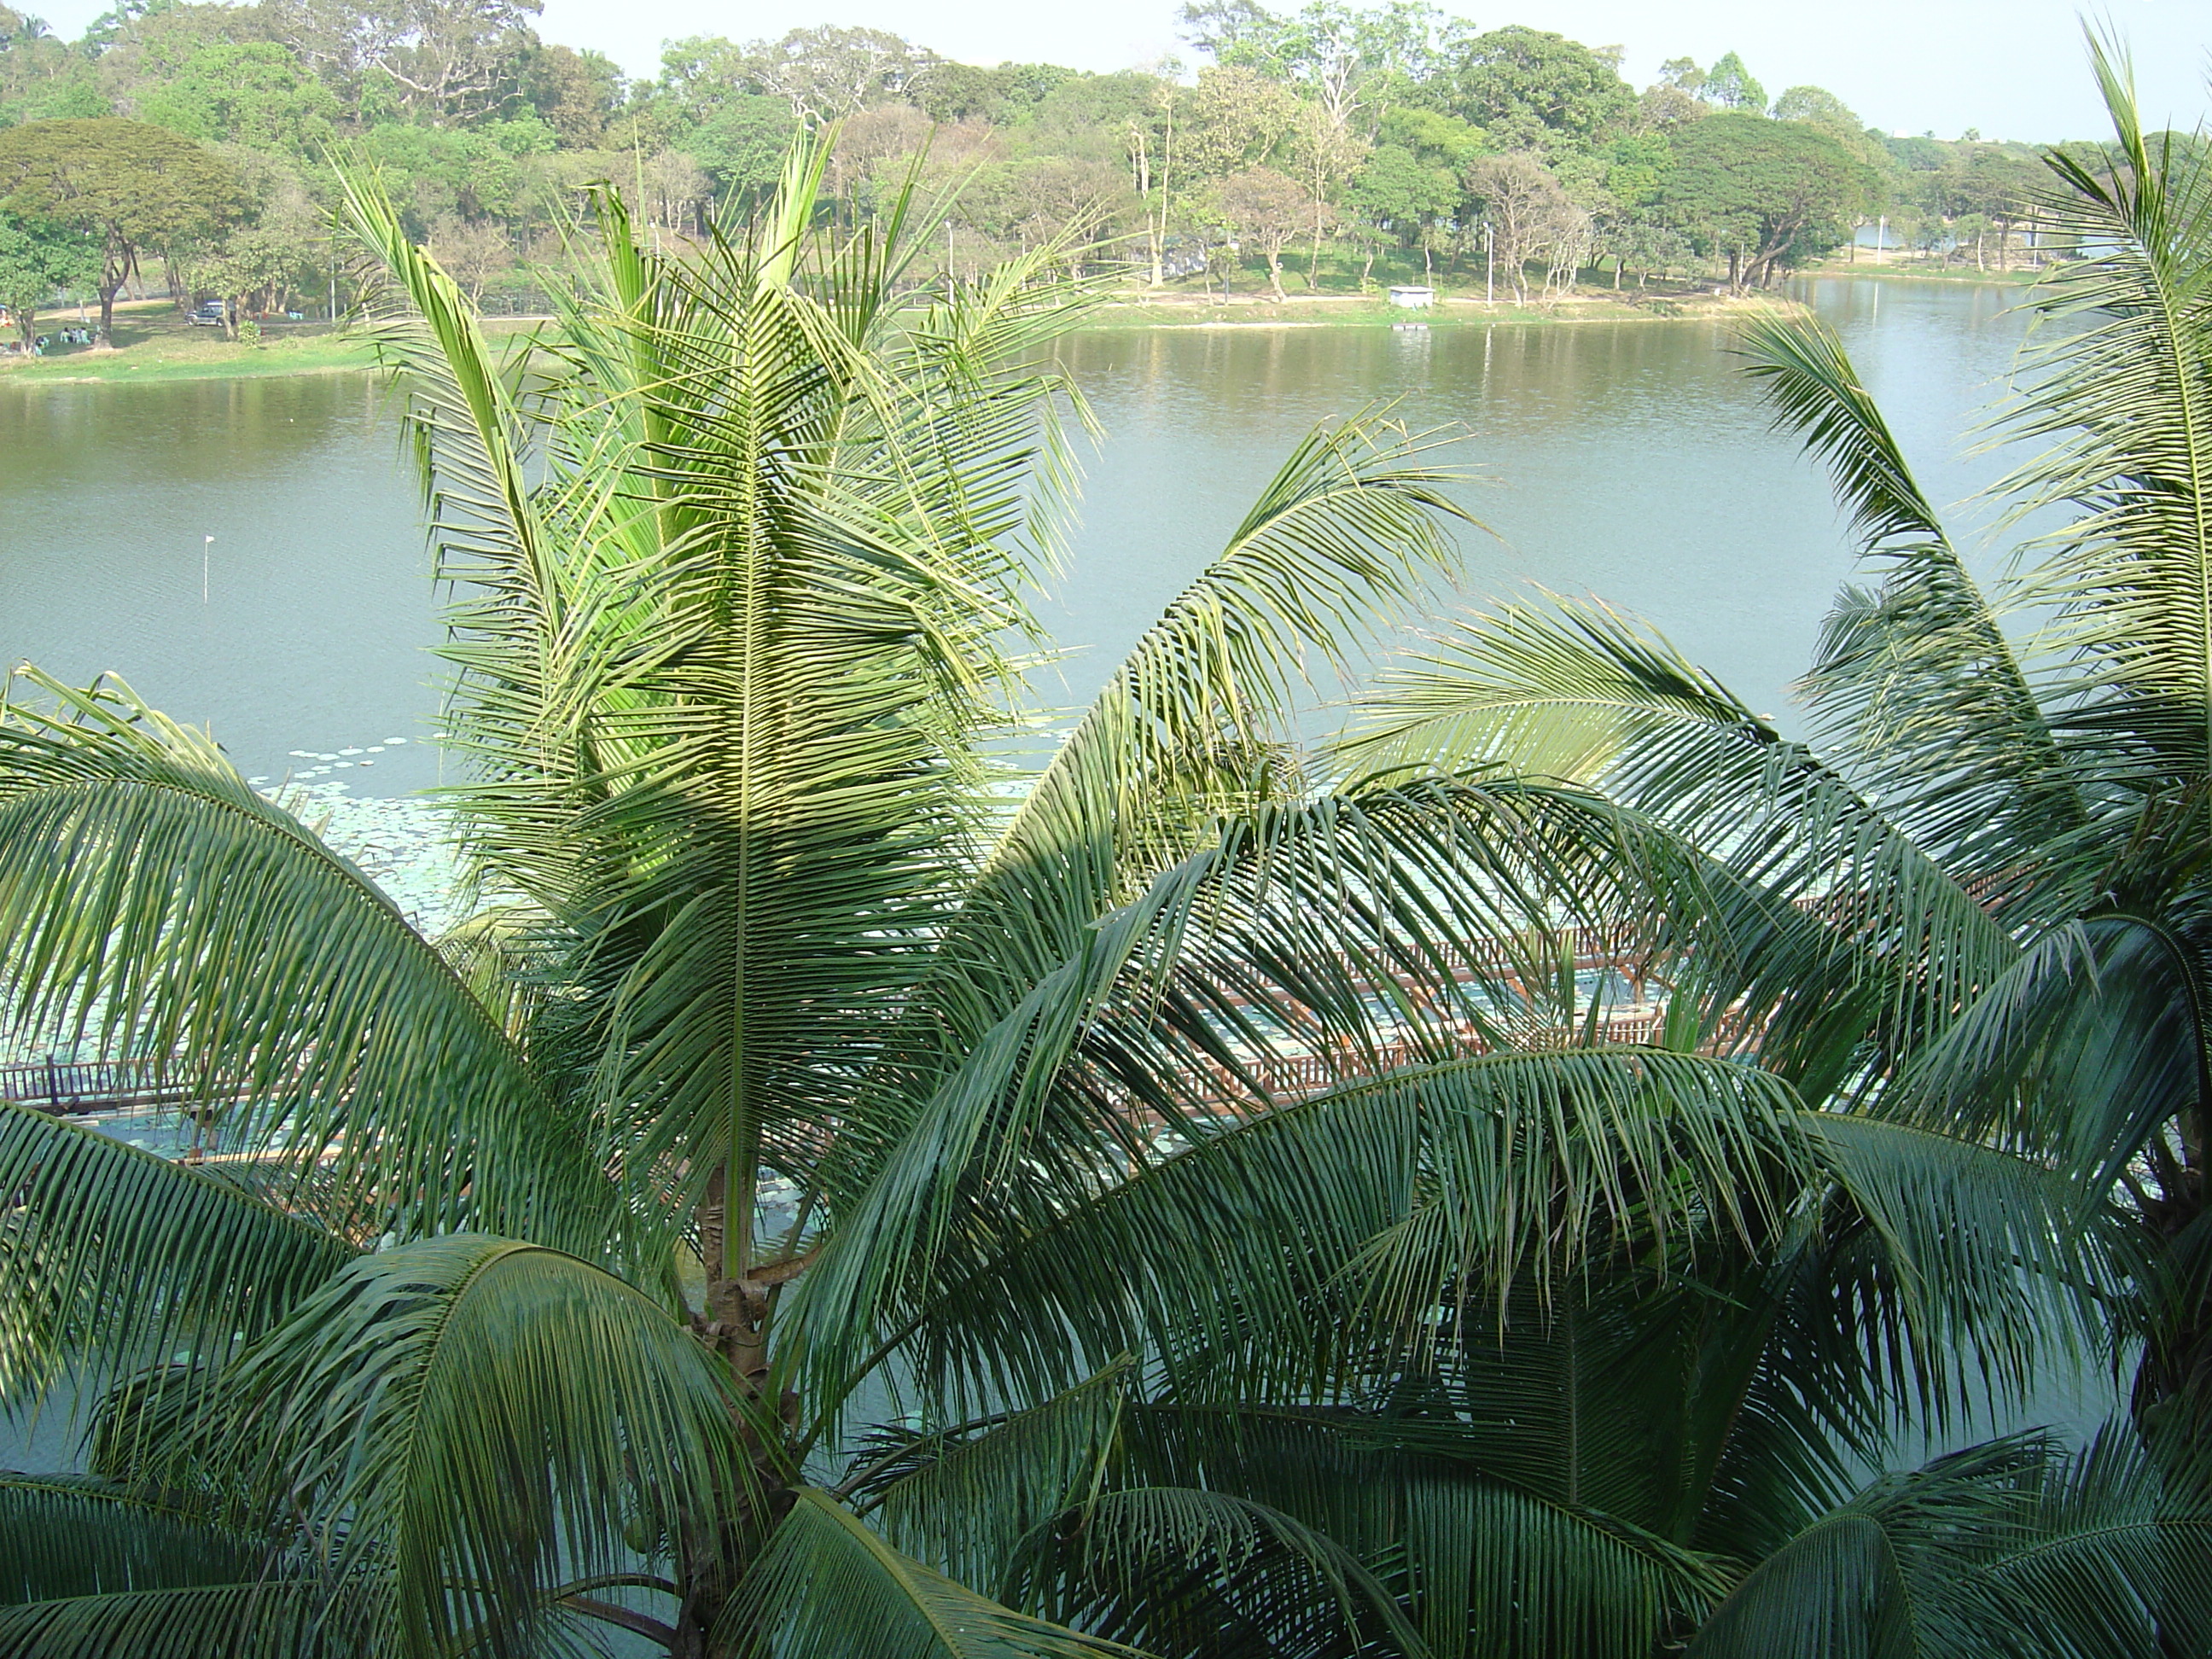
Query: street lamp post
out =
(1489, 267)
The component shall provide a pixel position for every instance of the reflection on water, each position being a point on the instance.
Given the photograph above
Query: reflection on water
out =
(1630, 460)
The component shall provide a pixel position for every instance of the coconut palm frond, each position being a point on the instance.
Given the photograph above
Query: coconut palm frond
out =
(777, 726)
(467, 1424)
(1453, 1504)
(1396, 1197)
(1916, 685)
(284, 1620)
(2108, 1561)
(1806, 899)
(2116, 407)
(113, 1254)
(64, 1537)
(2081, 1052)
(151, 902)
(1567, 691)
(1816, 393)
(1192, 725)
(962, 1500)
(1180, 1570)
(2012, 1545)
(465, 417)
(1994, 1270)
(829, 1583)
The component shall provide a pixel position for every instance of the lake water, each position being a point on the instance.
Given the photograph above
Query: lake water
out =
(1631, 460)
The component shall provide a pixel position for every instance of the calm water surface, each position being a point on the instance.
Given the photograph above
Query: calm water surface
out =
(1630, 460)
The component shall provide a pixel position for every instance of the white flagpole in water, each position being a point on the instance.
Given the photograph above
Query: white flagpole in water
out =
(206, 541)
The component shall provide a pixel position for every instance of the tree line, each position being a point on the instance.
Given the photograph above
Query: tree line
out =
(1333, 141)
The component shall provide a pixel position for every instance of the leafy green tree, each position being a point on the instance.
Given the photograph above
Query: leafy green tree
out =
(1439, 140)
(1350, 62)
(133, 186)
(1224, 28)
(573, 91)
(1399, 193)
(145, 49)
(1821, 108)
(1762, 194)
(2002, 186)
(1234, 119)
(1662, 107)
(480, 172)
(1099, 115)
(248, 269)
(1728, 85)
(1325, 153)
(1001, 94)
(742, 146)
(828, 72)
(1641, 239)
(700, 71)
(1521, 202)
(282, 245)
(41, 77)
(1637, 164)
(256, 95)
(1526, 87)
(446, 62)
(38, 261)
(1819, 105)
(1261, 206)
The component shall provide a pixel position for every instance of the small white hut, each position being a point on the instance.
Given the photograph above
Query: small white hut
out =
(1413, 296)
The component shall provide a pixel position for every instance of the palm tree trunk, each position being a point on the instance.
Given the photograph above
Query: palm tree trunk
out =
(740, 1297)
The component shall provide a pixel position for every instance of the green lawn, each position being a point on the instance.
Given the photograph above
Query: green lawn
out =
(152, 343)
(1916, 271)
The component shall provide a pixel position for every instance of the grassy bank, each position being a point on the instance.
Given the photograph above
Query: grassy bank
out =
(154, 345)
(1174, 310)
(1907, 270)
(215, 360)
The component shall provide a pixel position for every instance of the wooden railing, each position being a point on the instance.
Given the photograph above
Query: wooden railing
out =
(97, 1085)
(1290, 1075)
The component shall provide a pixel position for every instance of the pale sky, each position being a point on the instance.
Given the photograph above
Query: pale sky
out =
(2013, 68)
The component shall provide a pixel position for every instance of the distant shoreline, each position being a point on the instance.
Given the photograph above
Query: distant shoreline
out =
(169, 359)
(1672, 304)
(155, 349)
(154, 364)
(2016, 277)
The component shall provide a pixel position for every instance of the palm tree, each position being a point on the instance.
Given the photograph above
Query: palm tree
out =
(1976, 902)
(843, 1196)
(742, 548)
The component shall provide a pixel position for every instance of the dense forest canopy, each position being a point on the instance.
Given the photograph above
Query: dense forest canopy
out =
(1325, 141)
